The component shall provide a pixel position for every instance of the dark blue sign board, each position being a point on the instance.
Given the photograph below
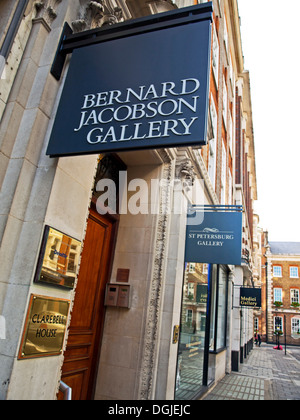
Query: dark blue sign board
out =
(217, 240)
(148, 90)
(250, 297)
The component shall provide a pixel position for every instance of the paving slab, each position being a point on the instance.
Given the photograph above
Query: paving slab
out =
(267, 374)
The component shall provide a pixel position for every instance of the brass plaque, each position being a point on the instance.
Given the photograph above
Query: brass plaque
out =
(45, 327)
(58, 259)
(123, 275)
(176, 332)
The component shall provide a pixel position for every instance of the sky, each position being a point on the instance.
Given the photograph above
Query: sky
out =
(271, 48)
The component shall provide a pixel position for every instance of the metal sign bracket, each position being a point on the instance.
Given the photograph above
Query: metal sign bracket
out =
(70, 41)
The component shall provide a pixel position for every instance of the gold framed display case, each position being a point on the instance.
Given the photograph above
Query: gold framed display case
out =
(58, 259)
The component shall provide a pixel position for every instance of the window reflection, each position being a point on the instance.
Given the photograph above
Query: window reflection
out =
(222, 308)
(204, 312)
(59, 259)
(192, 336)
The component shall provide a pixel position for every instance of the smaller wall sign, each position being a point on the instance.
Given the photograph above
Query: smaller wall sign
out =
(250, 297)
(218, 239)
(123, 275)
(45, 327)
(58, 259)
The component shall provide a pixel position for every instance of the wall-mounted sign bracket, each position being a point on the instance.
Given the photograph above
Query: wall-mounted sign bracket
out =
(69, 41)
(61, 53)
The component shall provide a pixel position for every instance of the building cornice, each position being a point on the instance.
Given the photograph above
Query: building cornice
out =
(231, 8)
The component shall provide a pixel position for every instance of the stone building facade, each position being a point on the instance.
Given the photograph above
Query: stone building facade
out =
(113, 352)
(280, 292)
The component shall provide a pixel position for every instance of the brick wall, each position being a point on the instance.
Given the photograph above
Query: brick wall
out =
(286, 313)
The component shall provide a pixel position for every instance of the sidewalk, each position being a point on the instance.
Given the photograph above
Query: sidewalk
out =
(267, 374)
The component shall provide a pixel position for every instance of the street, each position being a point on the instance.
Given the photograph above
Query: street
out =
(295, 352)
(267, 374)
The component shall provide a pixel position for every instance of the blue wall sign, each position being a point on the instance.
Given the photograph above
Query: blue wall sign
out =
(217, 240)
(149, 90)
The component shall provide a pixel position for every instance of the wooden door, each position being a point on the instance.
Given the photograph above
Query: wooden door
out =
(84, 341)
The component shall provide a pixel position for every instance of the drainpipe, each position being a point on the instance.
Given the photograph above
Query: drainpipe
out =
(11, 33)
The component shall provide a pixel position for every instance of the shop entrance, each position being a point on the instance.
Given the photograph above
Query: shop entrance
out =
(203, 328)
(87, 318)
(84, 341)
(191, 368)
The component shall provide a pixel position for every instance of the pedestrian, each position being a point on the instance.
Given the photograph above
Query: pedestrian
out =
(255, 339)
(259, 339)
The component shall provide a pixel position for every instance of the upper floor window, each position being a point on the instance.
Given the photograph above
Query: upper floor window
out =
(295, 326)
(294, 272)
(229, 187)
(230, 133)
(213, 143)
(231, 74)
(226, 38)
(192, 268)
(215, 56)
(191, 290)
(189, 316)
(205, 269)
(277, 295)
(294, 296)
(223, 174)
(277, 271)
(225, 103)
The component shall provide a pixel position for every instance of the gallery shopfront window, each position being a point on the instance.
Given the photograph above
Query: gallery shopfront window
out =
(203, 327)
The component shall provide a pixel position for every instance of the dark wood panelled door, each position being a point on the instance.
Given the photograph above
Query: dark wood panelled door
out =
(82, 353)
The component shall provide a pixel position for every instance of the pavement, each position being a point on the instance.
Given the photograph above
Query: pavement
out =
(265, 375)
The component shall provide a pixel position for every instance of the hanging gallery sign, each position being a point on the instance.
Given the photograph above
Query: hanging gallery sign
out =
(147, 90)
(250, 297)
(218, 238)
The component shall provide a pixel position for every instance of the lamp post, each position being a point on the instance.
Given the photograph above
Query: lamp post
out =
(285, 334)
(277, 332)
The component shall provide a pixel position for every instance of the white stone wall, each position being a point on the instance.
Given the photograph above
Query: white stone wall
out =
(138, 359)
(35, 190)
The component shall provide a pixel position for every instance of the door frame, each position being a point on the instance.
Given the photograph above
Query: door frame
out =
(114, 219)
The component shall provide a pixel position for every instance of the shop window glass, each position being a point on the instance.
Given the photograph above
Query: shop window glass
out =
(201, 336)
(222, 309)
(189, 377)
(212, 330)
(213, 311)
